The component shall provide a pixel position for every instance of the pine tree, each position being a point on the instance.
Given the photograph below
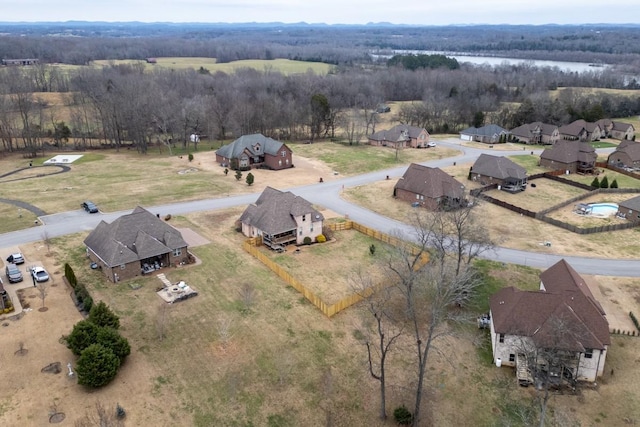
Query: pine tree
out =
(604, 183)
(595, 183)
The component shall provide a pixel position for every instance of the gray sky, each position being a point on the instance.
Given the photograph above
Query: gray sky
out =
(428, 12)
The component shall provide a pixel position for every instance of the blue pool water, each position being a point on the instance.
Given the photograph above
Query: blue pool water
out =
(603, 209)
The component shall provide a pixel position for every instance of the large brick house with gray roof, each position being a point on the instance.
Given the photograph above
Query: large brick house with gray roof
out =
(281, 218)
(526, 322)
(488, 134)
(573, 156)
(135, 243)
(499, 170)
(630, 209)
(626, 155)
(536, 133)
(257, 150)
(431, 188)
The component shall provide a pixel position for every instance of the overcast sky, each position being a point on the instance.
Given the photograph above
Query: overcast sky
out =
(428, 12)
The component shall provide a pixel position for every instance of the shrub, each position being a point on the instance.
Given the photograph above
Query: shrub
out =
(307, 240)
(320, 238)
(327, 232)
(604, 183)
(70, 275)
(372, 249)
(97, 366)
(111, 339)
(238, 175)
(614, 183)
(595, 183)
(84, 334)
(250, 179)
(101, 315)
(402, 416)
(190, 157)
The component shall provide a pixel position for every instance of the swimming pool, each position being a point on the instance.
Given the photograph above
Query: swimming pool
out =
(603, 209)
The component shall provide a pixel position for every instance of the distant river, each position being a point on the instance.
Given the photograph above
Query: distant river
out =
(579, 67)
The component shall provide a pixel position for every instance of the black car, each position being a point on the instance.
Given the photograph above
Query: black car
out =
(89, 207)
(13, 273)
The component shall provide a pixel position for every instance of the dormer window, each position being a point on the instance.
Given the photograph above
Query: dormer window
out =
(256, 148)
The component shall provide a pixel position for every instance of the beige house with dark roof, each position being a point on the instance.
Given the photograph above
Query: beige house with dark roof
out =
(431, 188)
(581, 130)
(537, 133)
(572, 156)
(526, 322)
(252, 151)
(135, 244)
(281, 218)
(401, 136)
(499, 170)
(623, 131)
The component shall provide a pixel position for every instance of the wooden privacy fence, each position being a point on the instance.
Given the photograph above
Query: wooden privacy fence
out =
(252, 247)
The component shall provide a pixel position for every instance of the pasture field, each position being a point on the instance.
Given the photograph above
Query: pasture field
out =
(284, 66)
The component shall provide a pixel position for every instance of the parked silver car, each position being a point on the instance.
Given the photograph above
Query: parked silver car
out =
(39, 274)
(14, 275)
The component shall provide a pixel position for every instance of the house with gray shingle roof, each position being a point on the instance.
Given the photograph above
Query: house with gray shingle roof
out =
(536, 133)
(527, 322)
(626, 155)
(489, 134)
(401, 136)
(254, 151)
(573, 156)
(630, 209)
(502, 171)
(623, 131)
(134, 244)
(281, 218)
(581, 130)
(431, 188)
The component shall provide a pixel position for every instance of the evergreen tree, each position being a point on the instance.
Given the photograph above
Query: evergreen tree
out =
(250, 179)
(111, 339)
(238, 175)
(97, 366)
(84, 334)
(604, 183)
(101, 315)
(595, 183)
(614, 184)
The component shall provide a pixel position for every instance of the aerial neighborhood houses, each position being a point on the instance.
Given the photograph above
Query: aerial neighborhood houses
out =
(498, 170)
(431, 188)
(255, 151)
(401, 136)
(573, 156)
(135, 244)
(562, 319)
(281, 218)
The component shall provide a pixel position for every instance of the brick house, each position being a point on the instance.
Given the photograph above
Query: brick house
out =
(573, 156)
(401, 136)
(630, 209)
(626, 155)
(489, 169)
(431, 188)
(581, 130)
(135, 244)
(537, 133)
(489, 134)
(525, 322)
(623, 131)
(252, 151)
(281, 218)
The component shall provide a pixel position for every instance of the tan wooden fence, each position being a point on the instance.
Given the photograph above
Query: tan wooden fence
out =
(252, 247)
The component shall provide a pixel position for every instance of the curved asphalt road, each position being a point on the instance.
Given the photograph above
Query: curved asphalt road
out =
(327, 194)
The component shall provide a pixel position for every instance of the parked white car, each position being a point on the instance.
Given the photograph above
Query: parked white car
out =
(16, 258)
(431, 144)
(39, 274)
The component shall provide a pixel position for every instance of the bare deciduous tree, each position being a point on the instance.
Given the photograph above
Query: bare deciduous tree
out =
(247, 295)
(224, 326)
(102, 417)
(42, 291)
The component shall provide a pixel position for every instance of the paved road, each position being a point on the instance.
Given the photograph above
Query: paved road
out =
(327, 194)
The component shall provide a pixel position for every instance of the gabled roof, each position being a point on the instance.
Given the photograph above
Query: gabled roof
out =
(633, 204)
(133, 237)
(573, 129)
(498, 167)
(275, 211)
(533, 313)
(249, 143)
(570, 152)
(398, 133)
(529, 129)
(430, 182)
(488, 130)
(622, 127)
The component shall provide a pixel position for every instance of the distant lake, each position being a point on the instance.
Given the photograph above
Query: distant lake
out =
(579, 67)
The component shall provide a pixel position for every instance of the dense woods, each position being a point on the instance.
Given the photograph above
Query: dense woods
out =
(123, 104)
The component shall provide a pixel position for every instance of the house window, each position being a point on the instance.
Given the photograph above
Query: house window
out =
(588, 353)
(512, 357)
(304, 217)
(177, 252)
(417, 197)
(283, 153)
(122, 267)
(300, 233)
(501, 337)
